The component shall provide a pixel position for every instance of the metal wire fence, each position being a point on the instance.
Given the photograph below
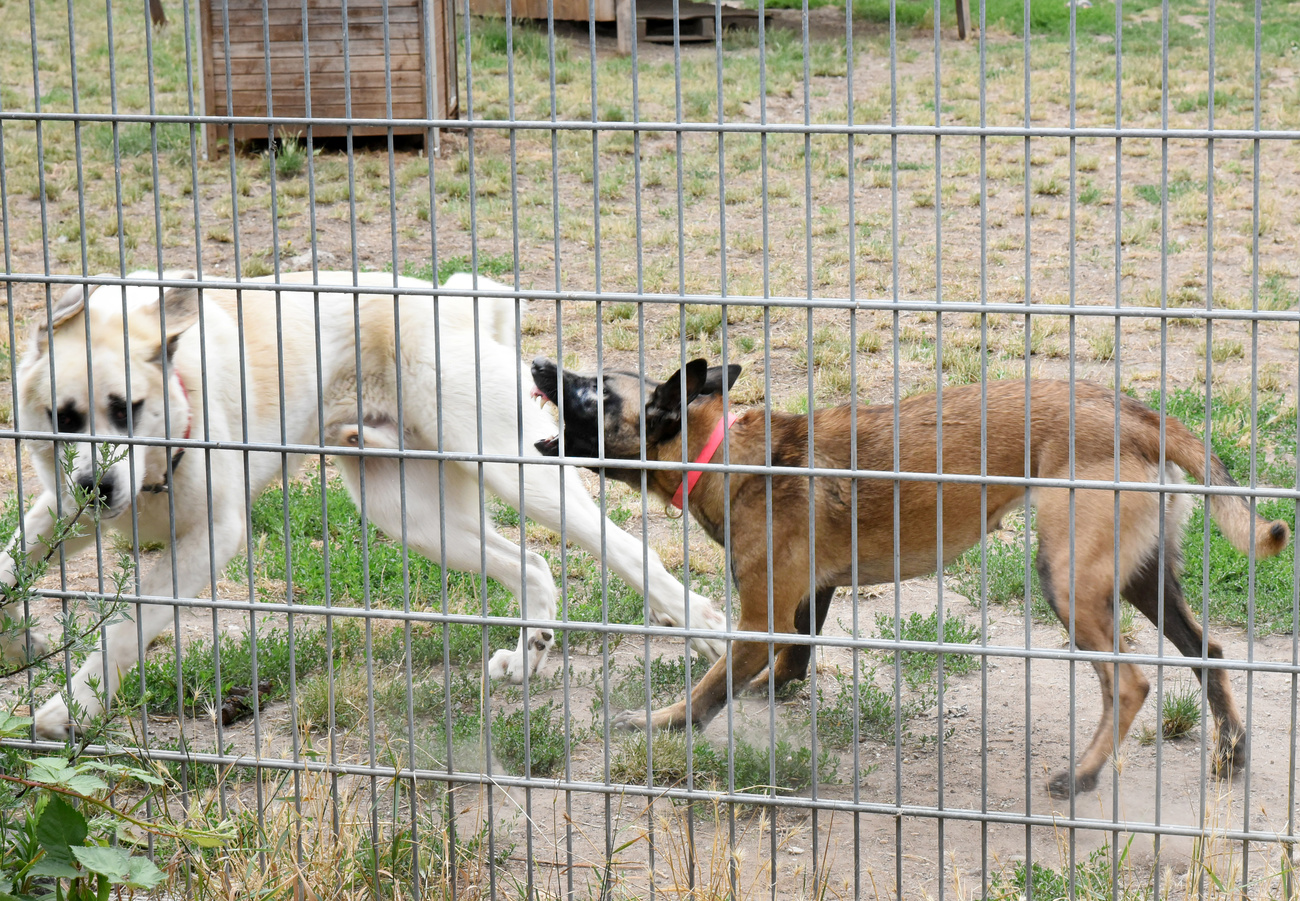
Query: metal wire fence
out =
(424, 594)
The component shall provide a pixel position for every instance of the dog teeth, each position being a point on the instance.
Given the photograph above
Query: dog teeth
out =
(546, 405)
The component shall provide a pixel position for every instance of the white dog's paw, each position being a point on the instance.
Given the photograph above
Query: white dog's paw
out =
(703, 616)
(511, 664)
(53, 722)
(506, 665)
(711, 649)
(15, 646)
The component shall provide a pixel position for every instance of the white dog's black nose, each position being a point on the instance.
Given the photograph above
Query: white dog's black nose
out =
(99, 493)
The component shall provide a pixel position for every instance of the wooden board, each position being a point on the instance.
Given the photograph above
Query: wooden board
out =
(321, 64)
(326, 85)
(235, 51)
(317, 17)
(313, 6)
(317, 49)
(358, 33)
(290, 104)
(568, 10)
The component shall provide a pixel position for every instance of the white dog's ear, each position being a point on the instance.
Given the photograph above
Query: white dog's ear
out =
(69, 305)
(180, 307)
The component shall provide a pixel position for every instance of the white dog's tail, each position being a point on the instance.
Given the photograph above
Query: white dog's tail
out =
(496, 314)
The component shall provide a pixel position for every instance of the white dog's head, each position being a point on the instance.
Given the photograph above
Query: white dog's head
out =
(94, 371)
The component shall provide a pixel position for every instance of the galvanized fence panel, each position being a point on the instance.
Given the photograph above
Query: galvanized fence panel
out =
(340, 685)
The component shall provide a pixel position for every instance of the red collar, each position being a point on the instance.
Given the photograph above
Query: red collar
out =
(710, 448)
(165, 484)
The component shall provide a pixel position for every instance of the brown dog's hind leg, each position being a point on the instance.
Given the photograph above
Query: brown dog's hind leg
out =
(1182, 629)
(1094, 630)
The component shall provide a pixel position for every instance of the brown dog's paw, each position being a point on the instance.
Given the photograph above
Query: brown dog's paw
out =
(1059, 785)
(1229, 754)
(630, 721)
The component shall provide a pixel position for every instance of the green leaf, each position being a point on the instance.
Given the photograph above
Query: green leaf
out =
(60, 826)
(207, 838)
(144, 874)
(85, 784)
(114, 863)
(122, 771)
(11, 725)
(50, 770)
(57, 869)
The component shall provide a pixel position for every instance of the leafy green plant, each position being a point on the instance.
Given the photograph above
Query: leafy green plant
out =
(545, 745)
(61, 814)
(920, 667)
(875, 714)
(1180, 712)
(51, 848)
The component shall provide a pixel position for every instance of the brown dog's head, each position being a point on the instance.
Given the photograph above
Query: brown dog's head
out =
(620, 394)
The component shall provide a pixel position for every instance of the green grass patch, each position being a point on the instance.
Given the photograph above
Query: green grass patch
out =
(1180, 712)
(1006, 575)
(492, 265)
(665, 677)
(314, 538)
(544, 749)
(196, 693)
(875, 714)
(1092, 879)
(677, 756)
(1177, 188)
(921, 667)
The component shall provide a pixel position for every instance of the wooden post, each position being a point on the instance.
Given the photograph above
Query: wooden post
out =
(963, 19)
(625, 25)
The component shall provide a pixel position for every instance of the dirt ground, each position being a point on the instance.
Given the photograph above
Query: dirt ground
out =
(987, 749)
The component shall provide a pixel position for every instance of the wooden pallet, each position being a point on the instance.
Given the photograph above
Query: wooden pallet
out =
(696, 21)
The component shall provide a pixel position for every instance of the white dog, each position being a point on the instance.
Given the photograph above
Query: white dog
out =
(450, 413)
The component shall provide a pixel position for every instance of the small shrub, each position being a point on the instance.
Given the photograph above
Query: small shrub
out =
(920, 667)
(537, 751)
(1181, 711)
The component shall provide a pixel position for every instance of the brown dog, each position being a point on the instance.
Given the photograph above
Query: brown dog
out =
(795, 569)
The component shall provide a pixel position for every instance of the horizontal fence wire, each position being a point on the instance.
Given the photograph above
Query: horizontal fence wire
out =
(333, 493)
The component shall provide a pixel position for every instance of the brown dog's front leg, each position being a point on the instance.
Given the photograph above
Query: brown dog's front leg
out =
(710, 695)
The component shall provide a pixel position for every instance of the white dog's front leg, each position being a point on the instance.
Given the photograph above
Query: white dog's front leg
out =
(101, 673)
(624, 554)
(539, 603)
(37, 531)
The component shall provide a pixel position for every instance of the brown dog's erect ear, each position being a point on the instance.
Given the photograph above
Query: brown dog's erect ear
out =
(70, 304)
(663, 411)
(713, 381)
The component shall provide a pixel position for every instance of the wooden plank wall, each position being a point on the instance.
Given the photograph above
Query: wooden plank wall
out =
(235, 61)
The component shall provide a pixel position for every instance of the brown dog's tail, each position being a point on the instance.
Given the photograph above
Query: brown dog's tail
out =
(1231, 511)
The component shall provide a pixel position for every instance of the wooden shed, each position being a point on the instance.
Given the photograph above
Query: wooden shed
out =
(421, 65)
